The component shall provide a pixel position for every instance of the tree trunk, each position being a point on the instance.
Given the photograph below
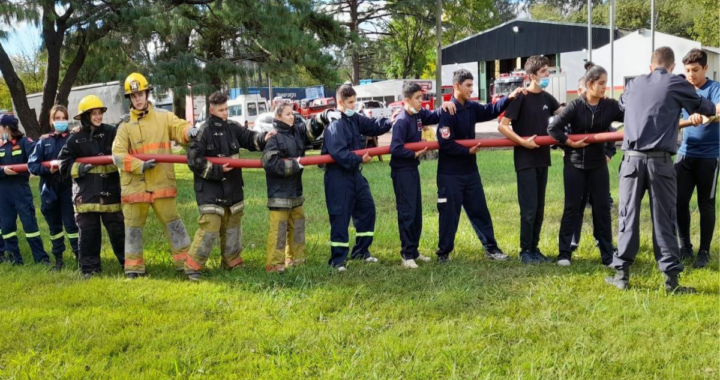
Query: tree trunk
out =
(53, 43)
(71, 74)
(354, 31)
(21, 108)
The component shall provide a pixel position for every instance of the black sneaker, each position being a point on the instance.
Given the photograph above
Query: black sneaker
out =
(443, 259)
(702, 259)
(539, 256)
(194, 277)
(686, 253)
(87, 276)
(134, 276)
(527, 257)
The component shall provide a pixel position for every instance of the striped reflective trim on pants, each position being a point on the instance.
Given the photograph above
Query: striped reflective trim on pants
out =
(344, 245)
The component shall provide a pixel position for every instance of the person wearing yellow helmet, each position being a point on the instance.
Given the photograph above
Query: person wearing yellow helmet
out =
(149, 130)
(96, 189)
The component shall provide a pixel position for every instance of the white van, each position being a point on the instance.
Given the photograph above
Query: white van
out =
(243, 110)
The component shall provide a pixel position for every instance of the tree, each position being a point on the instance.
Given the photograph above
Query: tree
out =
(77, 23)
(359, 17)
(706, 26)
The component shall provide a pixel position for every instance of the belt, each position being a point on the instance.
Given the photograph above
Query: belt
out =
(648, 154)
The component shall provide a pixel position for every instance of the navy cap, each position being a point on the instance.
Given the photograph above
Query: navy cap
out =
(9, 120)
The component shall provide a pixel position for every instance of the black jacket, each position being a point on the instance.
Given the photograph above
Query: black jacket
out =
(99, 189)
(283, 173)
(581, 119)
(215, 189)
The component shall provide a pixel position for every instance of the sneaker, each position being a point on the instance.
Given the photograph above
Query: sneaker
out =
(564, 263)
(702, 259)
(496, 255)
(686, 253)
(539, 256)
(194, 277)
(527, 257)
(409, 264)
(134, 276)
(424, 259)
(443, 259)
(87, 276)
(371, 259)
(341, 269)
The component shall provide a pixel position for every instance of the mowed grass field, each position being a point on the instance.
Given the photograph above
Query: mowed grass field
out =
(470, 319)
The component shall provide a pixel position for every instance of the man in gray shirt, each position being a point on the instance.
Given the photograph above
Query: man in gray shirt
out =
(652, 105)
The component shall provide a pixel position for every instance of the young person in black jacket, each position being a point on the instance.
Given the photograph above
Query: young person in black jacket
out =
(586, 164)
(96, 189)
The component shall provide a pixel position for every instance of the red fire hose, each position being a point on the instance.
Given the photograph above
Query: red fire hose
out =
(326, 159)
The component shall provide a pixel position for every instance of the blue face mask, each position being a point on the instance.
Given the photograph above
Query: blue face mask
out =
(5, 136)
(349, 113)
(61, 126)
(544, 82)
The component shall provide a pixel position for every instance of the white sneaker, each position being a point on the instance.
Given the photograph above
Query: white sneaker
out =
(424, 259)
(564, 263)
(409, 264)
(371, 259)
(341, 269)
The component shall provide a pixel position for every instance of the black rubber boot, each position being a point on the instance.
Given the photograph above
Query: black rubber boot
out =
(702, 259)
(621, 280)
(672, 285)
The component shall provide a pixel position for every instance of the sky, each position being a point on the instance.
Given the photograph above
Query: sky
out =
(22, 38)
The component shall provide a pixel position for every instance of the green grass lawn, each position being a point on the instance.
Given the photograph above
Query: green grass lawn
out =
(470, 319)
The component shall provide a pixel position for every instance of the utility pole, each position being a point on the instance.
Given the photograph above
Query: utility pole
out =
(438, 54)
(652, 25)
(612, 49)
(589, 47)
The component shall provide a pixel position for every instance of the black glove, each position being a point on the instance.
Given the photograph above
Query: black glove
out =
(84, 169)
(149, 164)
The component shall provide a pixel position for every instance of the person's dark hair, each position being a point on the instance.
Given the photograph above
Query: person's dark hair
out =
(11, 122)
(409, 89)
(663, 56)
(696, 56)
(346, 91)
(461, 76)
(594, 74)
(535, 63)
(589, 65)
(218, 98)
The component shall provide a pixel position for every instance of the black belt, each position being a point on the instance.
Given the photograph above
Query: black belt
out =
(649, 154)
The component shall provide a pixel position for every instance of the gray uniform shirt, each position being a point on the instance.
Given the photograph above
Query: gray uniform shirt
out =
(653, 105)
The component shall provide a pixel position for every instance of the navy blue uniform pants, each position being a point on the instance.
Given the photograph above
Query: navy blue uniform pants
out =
(462, 191)
(347, 195)
(16, 200)
(408, 199)
(60, 214)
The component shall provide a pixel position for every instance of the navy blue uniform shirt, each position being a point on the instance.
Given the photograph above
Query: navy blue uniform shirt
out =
(408, 129)
(455, 158)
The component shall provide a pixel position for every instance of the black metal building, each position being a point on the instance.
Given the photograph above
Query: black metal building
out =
(506, 47)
